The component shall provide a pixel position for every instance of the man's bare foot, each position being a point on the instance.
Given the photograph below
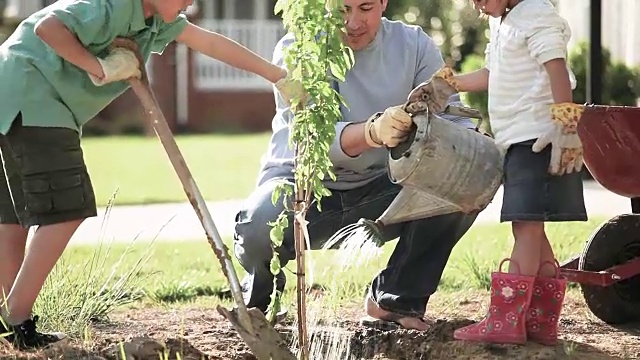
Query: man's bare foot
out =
(407, 322)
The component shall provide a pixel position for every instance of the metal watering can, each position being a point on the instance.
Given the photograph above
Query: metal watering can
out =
(442, 168)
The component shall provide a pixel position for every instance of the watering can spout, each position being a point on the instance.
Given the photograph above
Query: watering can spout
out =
(412, 204)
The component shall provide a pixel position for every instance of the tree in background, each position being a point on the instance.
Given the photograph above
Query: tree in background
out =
(453, 24)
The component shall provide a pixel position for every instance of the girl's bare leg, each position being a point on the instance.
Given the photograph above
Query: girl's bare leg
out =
(529, 237)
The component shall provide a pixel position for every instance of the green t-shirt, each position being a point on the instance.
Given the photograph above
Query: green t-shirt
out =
(51, 92)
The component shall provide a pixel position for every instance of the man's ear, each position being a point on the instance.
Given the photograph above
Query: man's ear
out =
(384, 4)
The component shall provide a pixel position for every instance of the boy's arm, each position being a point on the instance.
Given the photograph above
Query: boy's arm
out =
(79, 30)
(65, 43)
(229, 51)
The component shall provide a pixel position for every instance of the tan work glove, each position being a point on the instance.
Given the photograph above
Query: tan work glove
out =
(566, 147)
(290, 88)
(434, 93)
(390, 128)
(120, 64)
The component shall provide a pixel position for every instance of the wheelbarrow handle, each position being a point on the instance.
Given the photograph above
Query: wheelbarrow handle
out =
(157, 120)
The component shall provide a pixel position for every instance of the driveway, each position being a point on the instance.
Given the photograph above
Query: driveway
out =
(170, 222)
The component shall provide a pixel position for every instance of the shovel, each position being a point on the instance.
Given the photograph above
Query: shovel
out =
(251, 324)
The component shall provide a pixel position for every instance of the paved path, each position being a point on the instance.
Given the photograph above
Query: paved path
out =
(166, 222)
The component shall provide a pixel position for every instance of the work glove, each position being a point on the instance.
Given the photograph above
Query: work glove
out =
(120, 64)
(290, 88)
(566, 147)
(434, 93)
(389, 128)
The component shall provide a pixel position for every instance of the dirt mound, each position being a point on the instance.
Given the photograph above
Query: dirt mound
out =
(204, 334)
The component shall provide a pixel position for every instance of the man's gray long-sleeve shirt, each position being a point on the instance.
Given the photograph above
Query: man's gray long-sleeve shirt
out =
(399, 58)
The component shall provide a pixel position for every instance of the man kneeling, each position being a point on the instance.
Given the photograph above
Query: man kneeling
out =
(391, 58)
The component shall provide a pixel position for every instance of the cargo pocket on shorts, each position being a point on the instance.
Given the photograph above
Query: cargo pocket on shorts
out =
(67, 192)
(36, 195)
(56, 194)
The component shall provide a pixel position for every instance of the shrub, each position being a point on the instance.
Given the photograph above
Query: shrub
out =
(620, 83)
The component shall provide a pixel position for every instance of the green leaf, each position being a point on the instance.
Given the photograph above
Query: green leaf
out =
(274, 265)
(279, 7)
(337, 71)
(276, 235)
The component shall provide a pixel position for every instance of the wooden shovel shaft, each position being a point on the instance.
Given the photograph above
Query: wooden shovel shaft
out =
(156, 119)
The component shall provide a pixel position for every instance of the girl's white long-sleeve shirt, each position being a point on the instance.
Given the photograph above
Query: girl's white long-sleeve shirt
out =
(519, 88)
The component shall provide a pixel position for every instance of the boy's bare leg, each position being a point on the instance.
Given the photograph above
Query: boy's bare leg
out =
(45, 249)
(13, 239)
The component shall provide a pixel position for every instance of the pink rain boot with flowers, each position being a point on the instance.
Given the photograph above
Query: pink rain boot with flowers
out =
(504, 323)
(545, 308)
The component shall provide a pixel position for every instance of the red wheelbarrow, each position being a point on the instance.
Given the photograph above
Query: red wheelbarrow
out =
(608, 270)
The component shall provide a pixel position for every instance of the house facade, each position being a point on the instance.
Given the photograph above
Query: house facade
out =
(197, 93)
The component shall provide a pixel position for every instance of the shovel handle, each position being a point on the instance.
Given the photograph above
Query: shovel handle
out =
(157, 120)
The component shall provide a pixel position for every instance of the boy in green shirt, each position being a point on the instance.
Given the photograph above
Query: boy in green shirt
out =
(58, 72)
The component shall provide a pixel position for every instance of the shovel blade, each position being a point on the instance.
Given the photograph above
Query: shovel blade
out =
(264, 341)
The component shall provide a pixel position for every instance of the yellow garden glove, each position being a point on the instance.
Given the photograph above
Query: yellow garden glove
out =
(389, 128)
(566, 147)
(120, 64)
(433, 94)
(290, 88)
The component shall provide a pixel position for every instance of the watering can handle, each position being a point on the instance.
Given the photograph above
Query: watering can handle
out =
(454, 110)
(465, 112)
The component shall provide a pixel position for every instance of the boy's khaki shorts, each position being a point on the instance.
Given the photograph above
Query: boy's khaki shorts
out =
(46, 177)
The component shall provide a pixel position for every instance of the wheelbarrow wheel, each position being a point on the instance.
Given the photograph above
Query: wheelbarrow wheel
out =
(614, 242)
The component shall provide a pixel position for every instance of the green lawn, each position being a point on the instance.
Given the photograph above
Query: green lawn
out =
(223, 166)
(183, 273)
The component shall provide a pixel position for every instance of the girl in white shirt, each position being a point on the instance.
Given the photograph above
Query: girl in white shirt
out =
(533, 117)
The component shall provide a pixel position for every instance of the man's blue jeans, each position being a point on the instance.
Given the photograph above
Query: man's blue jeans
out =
(413, 271)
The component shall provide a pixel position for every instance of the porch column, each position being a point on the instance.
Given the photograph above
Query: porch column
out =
(594, 76)
(229, 9)
(260, 9)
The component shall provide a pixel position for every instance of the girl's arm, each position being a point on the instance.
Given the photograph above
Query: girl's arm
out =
(229, 51)
(474, 81)
(560, 82)
(58, 36)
